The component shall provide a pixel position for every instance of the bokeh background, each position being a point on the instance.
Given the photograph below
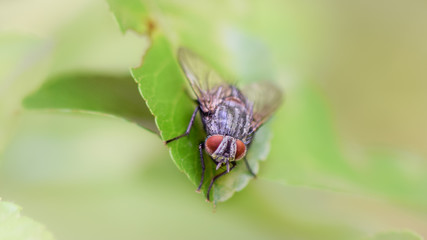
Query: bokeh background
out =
(348, 157)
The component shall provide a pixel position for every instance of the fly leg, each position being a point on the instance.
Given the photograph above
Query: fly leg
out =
(249, 167)
(188, 128)
(233, 164)
(202, 161)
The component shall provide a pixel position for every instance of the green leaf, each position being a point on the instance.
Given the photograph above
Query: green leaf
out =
(163, 85)
(396, 235)
(306, 148)
(13, 226)
(94, 93)
(130, 14)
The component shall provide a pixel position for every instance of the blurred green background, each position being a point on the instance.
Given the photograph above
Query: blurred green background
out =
(348, 155)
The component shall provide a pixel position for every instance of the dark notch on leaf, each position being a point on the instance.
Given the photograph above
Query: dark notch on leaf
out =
(151, 26)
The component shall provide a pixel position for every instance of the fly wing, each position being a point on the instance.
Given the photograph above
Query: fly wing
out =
(265, 97)
(207, 85)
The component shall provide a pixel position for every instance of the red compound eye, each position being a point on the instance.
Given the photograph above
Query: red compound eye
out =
(212, 143)
(241, 149)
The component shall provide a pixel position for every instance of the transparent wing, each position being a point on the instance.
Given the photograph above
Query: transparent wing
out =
(266, 97)
(207, 85)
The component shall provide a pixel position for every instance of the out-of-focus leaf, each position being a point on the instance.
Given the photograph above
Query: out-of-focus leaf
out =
(396, 235)
(163, 85)
(306, 151)
(22, 57)
(18, 54)
(130, 14)
(95, 93)
(13, 226)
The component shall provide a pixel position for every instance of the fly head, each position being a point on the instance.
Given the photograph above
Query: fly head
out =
(224, 149)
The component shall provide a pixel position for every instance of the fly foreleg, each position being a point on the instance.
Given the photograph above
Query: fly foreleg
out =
(233, 164)
(202, 161)
(188, 128)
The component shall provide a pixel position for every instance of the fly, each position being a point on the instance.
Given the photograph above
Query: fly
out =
(230, 115)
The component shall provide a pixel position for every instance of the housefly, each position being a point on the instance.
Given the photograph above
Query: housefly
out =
(230, 115)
